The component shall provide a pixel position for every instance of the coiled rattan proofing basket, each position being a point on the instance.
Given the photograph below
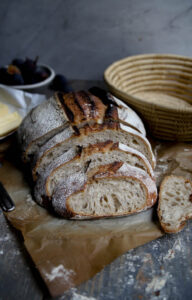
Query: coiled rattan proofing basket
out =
(164, 76)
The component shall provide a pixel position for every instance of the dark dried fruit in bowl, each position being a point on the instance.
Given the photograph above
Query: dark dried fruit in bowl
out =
(14, 76)
(23, 72)
(41, 74)
(11, 76)
(28, 69)
(13, 70)
(18, 62)
(17, 79)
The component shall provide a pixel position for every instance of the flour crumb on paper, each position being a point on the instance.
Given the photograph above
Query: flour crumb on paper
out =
(30, 200)
(59, 271)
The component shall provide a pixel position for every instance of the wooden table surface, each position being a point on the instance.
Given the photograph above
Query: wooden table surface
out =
(161, 269)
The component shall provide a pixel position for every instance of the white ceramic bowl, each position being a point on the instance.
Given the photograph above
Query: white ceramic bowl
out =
(39, 84)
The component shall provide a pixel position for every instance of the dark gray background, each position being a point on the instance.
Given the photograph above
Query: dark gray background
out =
(80, 38)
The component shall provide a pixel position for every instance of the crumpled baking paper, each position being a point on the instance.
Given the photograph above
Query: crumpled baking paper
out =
(68, 252)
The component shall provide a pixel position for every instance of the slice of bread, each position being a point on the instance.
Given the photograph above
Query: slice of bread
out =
(78, 160)
(93, 156)
(114, 190)
(94, 134)
(175, 203)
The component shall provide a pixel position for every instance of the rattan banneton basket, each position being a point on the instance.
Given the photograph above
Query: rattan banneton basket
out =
(159, 88)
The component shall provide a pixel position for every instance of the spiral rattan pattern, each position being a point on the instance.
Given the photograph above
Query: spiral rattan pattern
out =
(159, 88)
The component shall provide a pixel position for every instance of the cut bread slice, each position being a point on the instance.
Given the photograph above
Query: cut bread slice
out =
(85, 160)
(175, 203)
(93, 156)
(96, 134)
(114, 190)
(61, 136)
(66, 110)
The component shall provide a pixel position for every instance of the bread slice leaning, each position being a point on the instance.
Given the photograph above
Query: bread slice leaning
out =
(93, 156)
(96, 134)
(84, 160)
(175, 203)
(114, 190)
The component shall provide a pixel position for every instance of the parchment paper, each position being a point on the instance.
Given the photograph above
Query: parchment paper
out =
(69, 252)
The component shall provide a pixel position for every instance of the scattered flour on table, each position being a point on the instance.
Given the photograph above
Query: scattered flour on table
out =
(172, 251)
(76, 296)
(5, 238)
(59, 271)
(157, 283)
(170, 255)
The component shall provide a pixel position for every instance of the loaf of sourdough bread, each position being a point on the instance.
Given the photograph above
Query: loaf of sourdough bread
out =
(80, 146)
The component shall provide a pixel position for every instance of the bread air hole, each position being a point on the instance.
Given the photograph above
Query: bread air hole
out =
(85, 205)
(117, 203)
(139, 166)
(135, 142)
(169, 194)
(103, 199)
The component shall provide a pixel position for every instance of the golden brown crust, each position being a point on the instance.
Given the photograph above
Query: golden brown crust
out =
(164, 225)
(82, 107)
(100, 147)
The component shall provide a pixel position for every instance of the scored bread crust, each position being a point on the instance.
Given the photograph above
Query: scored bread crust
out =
(83, 134)
(115, 171)
(74, 109)
(83, 107)
(106, 149)
(182, 222)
